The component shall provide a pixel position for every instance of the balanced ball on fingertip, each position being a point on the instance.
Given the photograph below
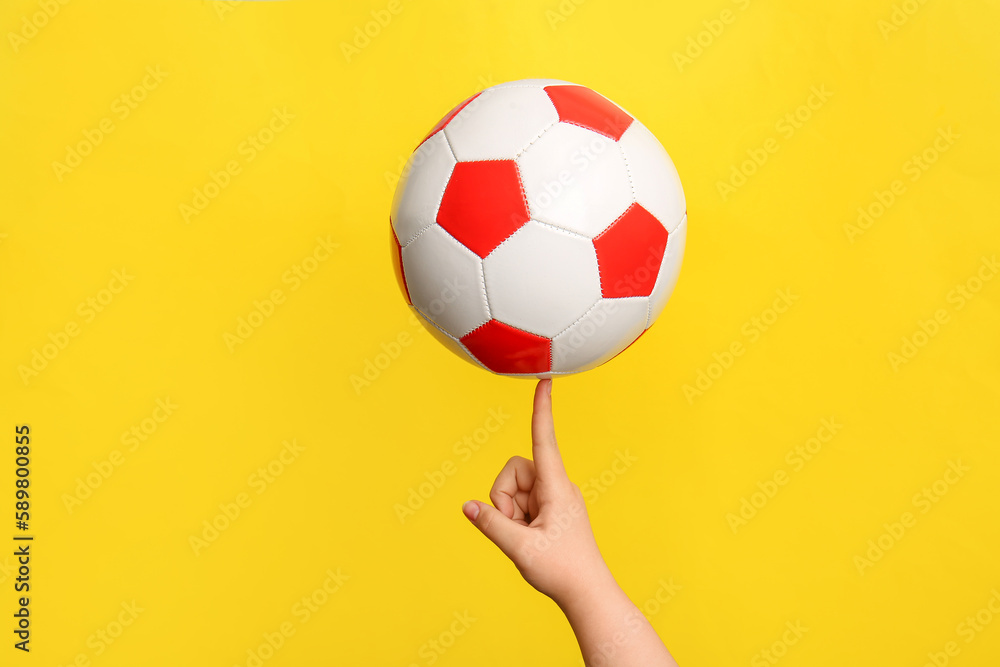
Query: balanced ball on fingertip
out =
(538, 229)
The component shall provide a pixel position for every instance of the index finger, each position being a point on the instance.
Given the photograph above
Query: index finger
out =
(544, 450)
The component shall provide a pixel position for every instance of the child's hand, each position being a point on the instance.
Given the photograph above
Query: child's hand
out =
(540, 521)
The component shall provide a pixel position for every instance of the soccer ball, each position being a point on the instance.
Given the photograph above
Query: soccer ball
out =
(538, 229)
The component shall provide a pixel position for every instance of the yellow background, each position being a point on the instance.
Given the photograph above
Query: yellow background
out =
(328, 173)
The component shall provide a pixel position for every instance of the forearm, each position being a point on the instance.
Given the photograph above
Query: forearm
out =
(611, 631)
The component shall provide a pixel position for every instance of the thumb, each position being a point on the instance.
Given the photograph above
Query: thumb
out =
(494, 524)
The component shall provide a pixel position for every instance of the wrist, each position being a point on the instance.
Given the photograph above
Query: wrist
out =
(596, 589)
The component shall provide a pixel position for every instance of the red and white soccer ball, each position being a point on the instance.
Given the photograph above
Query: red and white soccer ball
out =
(538, 229)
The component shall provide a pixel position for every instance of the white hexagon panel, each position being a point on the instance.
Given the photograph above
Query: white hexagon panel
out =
(450, 291)
(415, 207)
(563, 169)
(541, 255)
(538, 229)
(654, 178)
(500, 123)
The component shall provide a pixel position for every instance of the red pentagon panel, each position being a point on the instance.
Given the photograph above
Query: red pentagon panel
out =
(504, 349)
(629, 253)
(582, 106)
(448, 118)
(483, 204)
(397, 264)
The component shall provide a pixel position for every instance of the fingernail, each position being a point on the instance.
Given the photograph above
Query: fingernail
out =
(471, 510)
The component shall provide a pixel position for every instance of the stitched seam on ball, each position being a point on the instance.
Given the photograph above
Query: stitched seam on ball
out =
(440, 198)
(524, 197)
(593, 242)
(477, 328)
(628, 170)
(600, 274)
(429, 320)
(551, 356)
(679, 223)
(570, 232)
(476, 100)
(458, 341)
(608, 228)
(447, 142)
(590, 129)
(444, 188)
(501, 244)
(524, 330)
(659, 280)
(473, 357)
(532, 87)
(596, 304)
(586, 312)
(539, 136)
(531, 375)
(518, 329)
(660, 275)
(486, 296)
(481, 272)
(419, 234)
(436, 325)
(551, 226)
